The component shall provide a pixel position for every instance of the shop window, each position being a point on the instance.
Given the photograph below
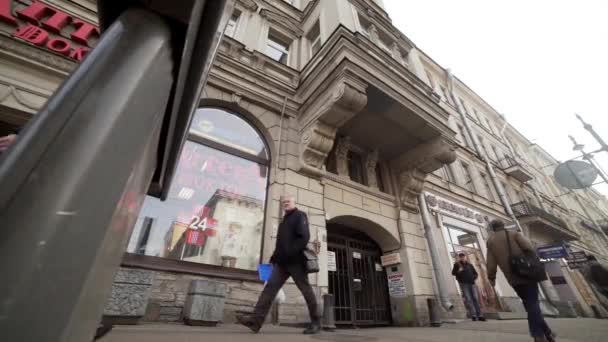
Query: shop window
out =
(277, 46)
(233, 24)
(314, 37)
(355, 167)
(214, 213)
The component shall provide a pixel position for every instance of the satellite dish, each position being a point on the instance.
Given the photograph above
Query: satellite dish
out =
(575, 174)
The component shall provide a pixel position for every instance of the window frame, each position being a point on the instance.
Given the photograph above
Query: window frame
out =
(469, 184)
(236, 24)
(276, 38)
(164, 264)
(316, 40)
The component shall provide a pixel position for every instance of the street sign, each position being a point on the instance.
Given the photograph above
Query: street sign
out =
(552, 252)
(577, 259)
(575, 174)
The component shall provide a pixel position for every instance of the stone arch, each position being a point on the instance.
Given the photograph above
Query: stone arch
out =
(384, 238)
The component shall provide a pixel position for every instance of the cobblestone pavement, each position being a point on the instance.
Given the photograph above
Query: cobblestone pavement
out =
(582, 330)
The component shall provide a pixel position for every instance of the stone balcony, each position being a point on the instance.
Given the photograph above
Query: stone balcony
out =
(537, 218)
(516, 169)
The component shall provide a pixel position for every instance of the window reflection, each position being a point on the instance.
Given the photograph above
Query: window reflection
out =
(214, 213)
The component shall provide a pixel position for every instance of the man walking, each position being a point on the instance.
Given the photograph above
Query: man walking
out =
(597, 276)
(466, 275)
(288, 260)
(526, 289)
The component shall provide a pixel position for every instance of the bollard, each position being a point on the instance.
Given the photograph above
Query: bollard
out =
(205, 303)
(433, 312)
(329, 322)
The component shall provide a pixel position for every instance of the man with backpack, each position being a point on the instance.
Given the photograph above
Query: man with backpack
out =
(513, 253)
(597, 276)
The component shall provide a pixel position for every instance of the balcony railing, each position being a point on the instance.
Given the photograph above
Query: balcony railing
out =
(527, 209)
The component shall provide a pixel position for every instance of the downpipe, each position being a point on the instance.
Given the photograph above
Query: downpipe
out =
(430, 237)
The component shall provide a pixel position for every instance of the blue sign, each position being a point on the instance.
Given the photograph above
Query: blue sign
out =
(552, 252)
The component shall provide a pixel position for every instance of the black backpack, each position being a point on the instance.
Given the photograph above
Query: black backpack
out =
(526, 265)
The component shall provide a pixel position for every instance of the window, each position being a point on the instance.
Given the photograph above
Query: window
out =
(233, 24)
(431, 81)
(463, 136)
(488, 188)
(468, 179)
(314, 37)
(214, 213)
(477, 116)
(444, 94)
(464, 107)
(496, 154)
(448, 173)
(277, 47)
(355, 167)
(483, 146)
(490, 126)
(364, 24)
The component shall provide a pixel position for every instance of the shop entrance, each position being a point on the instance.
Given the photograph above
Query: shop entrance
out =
(358, 281)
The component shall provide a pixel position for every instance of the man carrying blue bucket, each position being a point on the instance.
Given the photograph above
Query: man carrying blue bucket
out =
(288, 260)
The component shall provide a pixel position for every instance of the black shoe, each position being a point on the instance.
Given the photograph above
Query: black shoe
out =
(313, 328)
(551, 337)
(483, 319)
(249, 322)
(474, 319)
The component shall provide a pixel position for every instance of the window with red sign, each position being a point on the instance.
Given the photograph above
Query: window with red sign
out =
(214, 213)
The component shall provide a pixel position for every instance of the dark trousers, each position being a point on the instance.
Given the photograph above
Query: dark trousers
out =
(470, 296)
(280, 274)
(536, 322)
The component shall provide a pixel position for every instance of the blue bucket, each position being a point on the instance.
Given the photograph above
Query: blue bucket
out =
(264, 271)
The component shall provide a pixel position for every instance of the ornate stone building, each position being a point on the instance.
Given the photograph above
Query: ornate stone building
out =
(398, 164)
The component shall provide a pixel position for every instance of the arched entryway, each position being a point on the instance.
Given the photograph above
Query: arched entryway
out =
(358, 281)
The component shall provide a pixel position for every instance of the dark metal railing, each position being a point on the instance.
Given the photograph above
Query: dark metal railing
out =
(527, 209)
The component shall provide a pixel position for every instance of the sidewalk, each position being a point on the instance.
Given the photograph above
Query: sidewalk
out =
(581, 330)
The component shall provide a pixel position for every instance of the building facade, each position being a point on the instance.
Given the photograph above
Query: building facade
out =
(398, 164)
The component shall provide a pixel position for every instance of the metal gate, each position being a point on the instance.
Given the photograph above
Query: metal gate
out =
(359, 283)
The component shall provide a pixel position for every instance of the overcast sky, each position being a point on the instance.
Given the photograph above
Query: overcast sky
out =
(537, 62)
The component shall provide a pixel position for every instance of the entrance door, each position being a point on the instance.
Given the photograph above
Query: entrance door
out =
(359, 282)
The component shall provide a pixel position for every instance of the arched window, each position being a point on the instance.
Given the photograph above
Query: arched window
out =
(214, 213)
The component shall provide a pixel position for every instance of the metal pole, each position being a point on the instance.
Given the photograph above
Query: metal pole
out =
(590, 129)
(74, 184)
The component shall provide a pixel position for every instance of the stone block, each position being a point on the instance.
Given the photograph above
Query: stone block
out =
(353, 199)
(388, 211)
(371, 205)
(290, 190)
(315, 186)
(296, 179)
(317, 220)
(333, 193)
(310, 198)
(293, 148)
(129, 295)
(205, 302)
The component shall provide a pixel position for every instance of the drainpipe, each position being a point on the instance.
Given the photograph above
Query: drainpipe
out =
(476, 145)
(430, 237)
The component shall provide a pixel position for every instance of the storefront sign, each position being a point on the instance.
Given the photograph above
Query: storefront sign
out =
(45, 26)
(331, 261)
(443, 205)
(552, 252)
(390, 259)
(396, 285)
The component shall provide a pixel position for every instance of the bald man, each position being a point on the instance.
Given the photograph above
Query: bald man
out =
(288, 260)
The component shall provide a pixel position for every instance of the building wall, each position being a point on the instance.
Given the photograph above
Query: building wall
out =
(278, 98)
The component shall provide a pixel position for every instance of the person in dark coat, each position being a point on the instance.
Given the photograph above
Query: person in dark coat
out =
(466, 275)
(526, 289)
(288, 260)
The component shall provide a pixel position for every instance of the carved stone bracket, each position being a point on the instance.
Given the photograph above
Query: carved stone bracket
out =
(249, 4)
(315, 145)
(417, 163)
(326, 112)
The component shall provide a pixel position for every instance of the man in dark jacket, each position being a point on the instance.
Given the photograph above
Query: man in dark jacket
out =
(527, 289)
(288, 260)
(466, 275)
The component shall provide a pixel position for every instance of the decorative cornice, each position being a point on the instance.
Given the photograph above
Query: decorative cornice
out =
(248, 4)
(30, 54)
(11, 90)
